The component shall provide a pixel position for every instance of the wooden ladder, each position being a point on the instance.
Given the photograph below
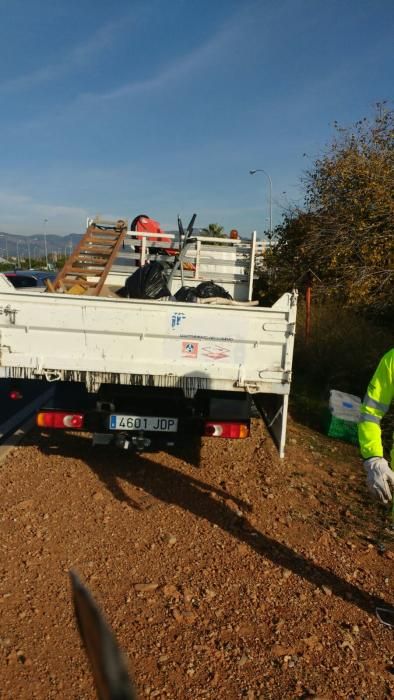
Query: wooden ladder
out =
(92, 258)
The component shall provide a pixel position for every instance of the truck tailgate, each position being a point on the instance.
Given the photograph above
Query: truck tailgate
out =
(157, 343)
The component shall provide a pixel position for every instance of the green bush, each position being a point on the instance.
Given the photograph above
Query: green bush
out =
(342, 352)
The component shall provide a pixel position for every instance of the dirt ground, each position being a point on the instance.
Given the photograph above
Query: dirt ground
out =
(224, 571)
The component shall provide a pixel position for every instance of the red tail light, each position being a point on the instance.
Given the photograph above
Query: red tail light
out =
(15, 395)
(60, 419)
(226, 429)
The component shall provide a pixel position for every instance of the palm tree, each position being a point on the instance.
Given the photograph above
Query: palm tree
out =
(214, 230)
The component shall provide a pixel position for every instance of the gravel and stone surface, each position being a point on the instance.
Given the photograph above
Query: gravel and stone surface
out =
(224, 571)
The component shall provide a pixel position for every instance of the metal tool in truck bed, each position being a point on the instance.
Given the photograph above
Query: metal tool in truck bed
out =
(131, 371)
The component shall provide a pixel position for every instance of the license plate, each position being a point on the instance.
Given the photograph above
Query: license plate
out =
(149, 423)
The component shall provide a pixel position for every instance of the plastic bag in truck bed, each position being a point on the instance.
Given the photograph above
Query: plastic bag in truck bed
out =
(148, 282)
(205, 290)
(186, 294)
(210, 289)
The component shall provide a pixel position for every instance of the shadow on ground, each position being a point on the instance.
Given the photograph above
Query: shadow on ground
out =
(172, 486)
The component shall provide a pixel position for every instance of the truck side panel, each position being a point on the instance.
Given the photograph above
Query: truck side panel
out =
(191, 346)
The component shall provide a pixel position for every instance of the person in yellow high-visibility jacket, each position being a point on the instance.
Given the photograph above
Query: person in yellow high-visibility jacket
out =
(377, 400)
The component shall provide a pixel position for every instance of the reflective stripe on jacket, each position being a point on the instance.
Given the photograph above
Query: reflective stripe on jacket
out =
(375, 405)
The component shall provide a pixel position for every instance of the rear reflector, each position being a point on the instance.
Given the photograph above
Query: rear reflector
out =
(60, 419)
(226, 429)
(15, 395)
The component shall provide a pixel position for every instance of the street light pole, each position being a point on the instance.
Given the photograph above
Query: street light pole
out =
(45, 243)
(6, 245)
(260, 170)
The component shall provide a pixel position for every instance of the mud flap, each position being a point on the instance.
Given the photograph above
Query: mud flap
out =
(273, 408)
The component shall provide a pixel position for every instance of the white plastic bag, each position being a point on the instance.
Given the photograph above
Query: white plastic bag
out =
(344, 406)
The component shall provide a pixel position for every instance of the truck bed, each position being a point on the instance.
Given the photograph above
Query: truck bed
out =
(156, 343)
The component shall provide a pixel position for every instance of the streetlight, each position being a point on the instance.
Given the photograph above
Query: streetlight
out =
(45, 243)
(260, 170)
(18, 260)
(3, 235)
(28, 251)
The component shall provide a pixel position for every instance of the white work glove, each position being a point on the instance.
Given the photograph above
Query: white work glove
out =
(380, 478)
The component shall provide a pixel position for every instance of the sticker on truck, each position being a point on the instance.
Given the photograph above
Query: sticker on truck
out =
(176, 319)
(189, 349)
(215, 352)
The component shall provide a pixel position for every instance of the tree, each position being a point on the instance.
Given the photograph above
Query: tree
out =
(345, 232)
(214, 230)
(287, 255)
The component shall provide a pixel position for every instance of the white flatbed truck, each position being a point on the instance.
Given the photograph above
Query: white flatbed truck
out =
(139, 373)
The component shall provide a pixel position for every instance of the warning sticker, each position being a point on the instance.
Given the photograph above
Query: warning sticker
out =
(215, 352)
(189, 349)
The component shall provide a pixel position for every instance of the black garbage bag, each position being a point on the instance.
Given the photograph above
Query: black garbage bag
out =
(210, 289)
(186, 294)
(148, 282)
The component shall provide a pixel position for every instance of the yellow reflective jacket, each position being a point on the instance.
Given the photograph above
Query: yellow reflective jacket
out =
(376, 403)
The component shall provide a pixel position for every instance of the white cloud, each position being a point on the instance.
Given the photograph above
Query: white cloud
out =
(23, 215)
(197, 60)
(78, 57)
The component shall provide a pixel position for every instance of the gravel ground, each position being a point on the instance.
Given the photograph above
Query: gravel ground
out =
(225, 572)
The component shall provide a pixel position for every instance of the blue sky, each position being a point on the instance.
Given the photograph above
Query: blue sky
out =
(163, 107)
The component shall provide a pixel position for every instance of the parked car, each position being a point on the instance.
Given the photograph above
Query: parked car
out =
(29, 279)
